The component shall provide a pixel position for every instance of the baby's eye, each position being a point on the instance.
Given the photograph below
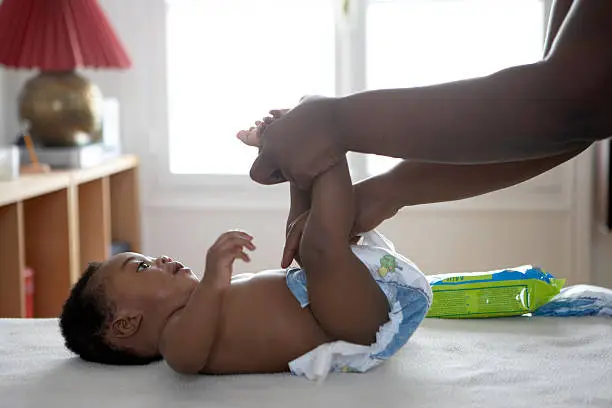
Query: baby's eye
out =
(142, 265)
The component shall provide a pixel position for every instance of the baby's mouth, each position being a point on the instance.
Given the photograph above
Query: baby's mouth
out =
(178, 267)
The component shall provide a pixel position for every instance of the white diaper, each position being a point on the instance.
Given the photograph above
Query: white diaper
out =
(409, 296)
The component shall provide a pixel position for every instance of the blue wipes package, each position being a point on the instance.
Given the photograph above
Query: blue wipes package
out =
(578, 300)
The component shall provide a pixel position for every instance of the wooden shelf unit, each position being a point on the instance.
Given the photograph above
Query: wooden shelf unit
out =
(56, 223)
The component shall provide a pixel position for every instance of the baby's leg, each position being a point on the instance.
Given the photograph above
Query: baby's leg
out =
(344, 298)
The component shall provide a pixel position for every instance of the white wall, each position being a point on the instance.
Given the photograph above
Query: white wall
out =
(602, 238)
(10, 86)
(2, 107)
(5, 106)
(602, 255)
(438, 239)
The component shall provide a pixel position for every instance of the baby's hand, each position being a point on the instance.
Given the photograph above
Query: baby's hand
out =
(252, 137)
(221, 256)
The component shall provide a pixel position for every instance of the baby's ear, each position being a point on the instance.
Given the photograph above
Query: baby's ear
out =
(126, 324)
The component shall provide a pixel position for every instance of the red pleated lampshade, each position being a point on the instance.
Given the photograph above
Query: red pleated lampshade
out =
(58, 35)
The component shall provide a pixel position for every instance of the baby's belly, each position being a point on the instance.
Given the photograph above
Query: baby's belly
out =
(262, 327)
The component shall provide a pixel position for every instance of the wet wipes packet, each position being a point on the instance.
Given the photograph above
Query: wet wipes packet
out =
(506, 292)
(579, 300)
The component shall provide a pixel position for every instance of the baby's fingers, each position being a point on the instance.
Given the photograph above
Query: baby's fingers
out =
(243, 255)
(237, 250)
(249, 245)
(241, 241)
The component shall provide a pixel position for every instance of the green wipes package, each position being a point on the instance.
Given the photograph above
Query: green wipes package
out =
(508, 292)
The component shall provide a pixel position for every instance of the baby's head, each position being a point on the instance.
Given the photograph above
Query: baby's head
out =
(117, 310)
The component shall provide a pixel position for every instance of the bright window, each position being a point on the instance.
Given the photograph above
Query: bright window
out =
(229, 62)
(423, 42)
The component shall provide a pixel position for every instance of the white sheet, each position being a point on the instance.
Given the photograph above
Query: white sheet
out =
(523, 362)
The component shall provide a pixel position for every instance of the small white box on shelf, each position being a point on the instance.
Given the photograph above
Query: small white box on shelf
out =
(111, 128)
(9, 163)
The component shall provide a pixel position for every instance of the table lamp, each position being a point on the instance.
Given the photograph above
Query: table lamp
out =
(59, 107)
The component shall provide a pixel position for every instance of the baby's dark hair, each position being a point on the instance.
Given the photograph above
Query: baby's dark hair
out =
(84, 321)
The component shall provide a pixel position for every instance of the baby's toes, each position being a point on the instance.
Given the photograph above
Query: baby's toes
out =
(242, 135)
(249, 137)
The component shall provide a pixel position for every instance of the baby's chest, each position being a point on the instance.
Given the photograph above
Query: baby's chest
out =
(263, 323)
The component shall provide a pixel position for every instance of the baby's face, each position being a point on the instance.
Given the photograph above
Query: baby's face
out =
(135, 281)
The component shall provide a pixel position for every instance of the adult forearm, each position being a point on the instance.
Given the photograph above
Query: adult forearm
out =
(414, 183)
(503, 117)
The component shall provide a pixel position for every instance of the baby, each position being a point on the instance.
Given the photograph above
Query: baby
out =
(347, 308)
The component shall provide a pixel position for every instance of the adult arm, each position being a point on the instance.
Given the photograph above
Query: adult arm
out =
(415, 183)
(558, 13)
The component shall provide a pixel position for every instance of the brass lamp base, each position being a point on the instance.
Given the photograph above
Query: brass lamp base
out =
(61, 109)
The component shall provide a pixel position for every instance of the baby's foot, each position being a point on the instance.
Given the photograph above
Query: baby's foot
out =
(252, 137)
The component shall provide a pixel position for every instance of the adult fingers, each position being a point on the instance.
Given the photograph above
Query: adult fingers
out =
(292, 244)
(263, 170)
(294, 237)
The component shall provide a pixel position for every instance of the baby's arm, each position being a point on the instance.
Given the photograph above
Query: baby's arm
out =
(189, 334)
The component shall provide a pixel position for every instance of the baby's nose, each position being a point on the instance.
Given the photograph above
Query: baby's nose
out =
(163, 260)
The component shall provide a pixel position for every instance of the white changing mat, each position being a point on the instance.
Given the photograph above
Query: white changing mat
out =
(517, 362)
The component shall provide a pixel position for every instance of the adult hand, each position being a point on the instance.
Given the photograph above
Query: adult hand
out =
(293, 239)
(299, 145)
(371, 209)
